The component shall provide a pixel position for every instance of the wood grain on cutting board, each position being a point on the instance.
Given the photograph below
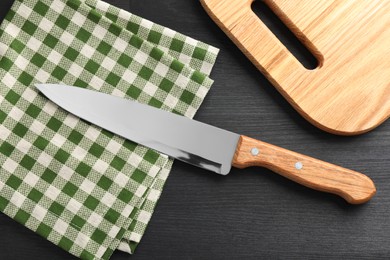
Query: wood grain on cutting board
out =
(349, 92)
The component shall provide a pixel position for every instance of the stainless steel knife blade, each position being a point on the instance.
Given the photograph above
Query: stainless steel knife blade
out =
(203, 145)
(193, 142)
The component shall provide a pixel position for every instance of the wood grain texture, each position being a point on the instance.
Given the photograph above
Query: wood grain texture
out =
(354, 187)
(251, 213)
(349, 93)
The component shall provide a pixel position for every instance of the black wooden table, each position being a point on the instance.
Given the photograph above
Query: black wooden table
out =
(251, 213)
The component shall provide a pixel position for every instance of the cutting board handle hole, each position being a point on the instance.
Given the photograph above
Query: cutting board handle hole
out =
(292, 41)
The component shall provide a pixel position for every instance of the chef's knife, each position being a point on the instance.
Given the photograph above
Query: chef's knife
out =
(203, 145)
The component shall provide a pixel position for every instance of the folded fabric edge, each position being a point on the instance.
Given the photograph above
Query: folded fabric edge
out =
(202, 57)
(131, 238)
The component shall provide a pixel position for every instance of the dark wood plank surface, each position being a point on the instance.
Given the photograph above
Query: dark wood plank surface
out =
(250, 213)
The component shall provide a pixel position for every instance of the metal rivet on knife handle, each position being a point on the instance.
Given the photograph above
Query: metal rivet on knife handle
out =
(254, 151)
(298, 165)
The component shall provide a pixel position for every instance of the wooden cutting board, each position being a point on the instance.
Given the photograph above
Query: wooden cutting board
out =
(349, 92)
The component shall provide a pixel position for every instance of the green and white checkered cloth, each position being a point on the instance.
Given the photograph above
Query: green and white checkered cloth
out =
(83, 188)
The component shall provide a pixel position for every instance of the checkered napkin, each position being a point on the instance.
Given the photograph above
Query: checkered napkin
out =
(83, 188)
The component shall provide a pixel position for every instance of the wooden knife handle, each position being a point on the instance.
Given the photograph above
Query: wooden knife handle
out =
(353, 186)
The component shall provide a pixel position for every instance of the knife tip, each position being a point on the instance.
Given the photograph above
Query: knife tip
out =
(40, 87)
(44, 88)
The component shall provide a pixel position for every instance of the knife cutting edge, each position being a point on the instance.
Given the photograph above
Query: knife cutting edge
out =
(204, 145)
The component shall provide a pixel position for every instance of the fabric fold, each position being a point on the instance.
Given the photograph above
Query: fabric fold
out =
(81, 187)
